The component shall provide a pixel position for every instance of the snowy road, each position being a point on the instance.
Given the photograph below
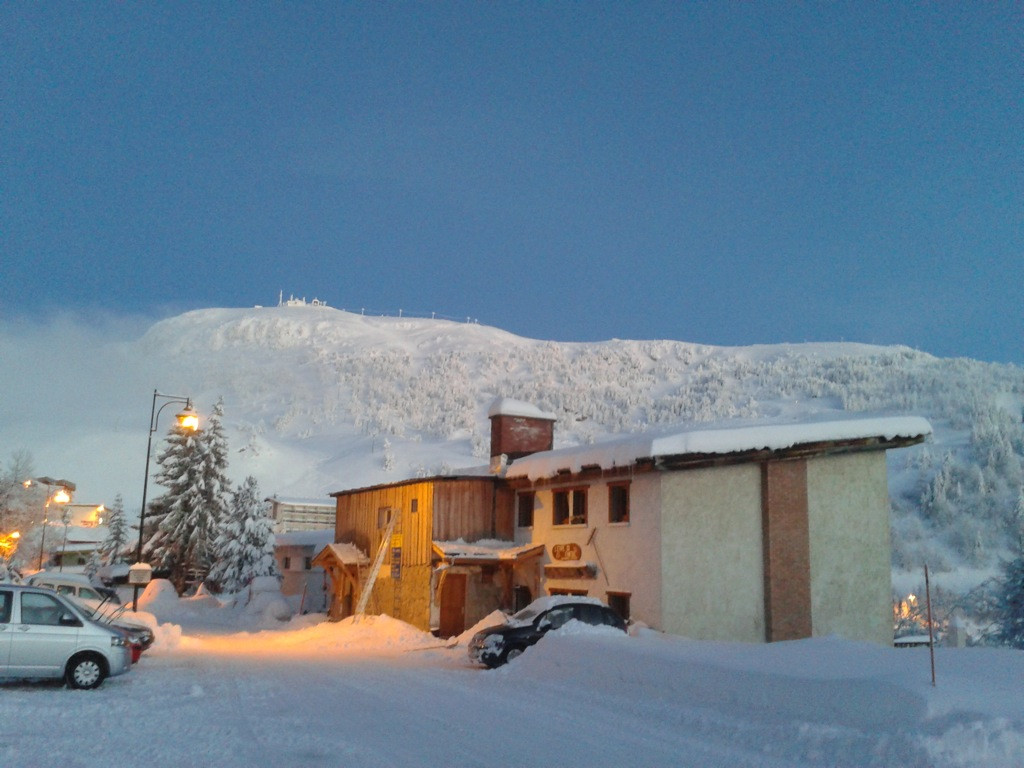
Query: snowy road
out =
(310, 697)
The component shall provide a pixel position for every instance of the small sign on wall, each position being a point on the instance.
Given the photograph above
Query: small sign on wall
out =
(396, 562)
(570, 551)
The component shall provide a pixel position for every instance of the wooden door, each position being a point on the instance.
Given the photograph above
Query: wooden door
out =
(453, 605)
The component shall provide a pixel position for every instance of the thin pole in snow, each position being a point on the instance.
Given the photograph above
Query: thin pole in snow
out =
(931, 634)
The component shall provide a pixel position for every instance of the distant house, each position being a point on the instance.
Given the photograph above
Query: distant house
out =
(73, 545)
(759, 532)
(301, 580)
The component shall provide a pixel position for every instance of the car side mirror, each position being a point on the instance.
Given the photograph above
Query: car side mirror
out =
(68, 620)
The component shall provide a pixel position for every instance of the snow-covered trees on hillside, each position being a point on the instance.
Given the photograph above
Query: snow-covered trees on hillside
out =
(185, 520)
(244, 548)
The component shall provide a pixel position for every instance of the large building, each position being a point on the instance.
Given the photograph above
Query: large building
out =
(758, 532)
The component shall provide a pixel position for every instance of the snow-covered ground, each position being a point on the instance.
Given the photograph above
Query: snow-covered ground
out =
(377, 692)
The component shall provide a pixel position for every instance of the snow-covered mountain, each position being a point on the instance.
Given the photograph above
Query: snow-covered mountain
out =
(318, 399)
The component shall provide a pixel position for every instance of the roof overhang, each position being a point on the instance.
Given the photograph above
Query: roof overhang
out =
(458, 553)
(340, 554)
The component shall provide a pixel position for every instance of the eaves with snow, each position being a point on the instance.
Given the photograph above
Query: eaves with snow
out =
(720, 443)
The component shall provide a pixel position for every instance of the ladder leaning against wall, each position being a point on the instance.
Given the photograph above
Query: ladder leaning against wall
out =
(371, 579)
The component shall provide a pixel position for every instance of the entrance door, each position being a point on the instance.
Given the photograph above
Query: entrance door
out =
(453, 605)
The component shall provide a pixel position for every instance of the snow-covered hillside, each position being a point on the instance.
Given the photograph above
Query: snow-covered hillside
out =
(318, 399)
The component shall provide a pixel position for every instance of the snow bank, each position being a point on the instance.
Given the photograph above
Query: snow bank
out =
(360, 635)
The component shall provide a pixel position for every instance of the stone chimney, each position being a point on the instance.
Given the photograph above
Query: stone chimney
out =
(519, 429)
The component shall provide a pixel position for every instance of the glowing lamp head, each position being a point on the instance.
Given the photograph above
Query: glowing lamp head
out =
(188, 418)
(61, 496)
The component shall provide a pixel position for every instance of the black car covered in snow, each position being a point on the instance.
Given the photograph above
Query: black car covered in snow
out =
(496, 645)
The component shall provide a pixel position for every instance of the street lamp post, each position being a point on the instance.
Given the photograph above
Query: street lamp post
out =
(61, 496)
(187, 419)
(66, 519)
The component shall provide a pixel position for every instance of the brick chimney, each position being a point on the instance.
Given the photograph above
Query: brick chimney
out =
(519, 429)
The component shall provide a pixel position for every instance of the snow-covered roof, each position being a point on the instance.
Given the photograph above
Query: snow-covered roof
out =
(485, 550)
(506, 406)
(319, 538)
(480, 471)
(300, 502)
(349, 554)
(714, 439)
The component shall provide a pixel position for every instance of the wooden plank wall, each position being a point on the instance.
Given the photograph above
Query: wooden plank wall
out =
(357, 520)
(472, 509)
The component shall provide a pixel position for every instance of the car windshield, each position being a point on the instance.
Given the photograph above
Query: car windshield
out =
(526, 615)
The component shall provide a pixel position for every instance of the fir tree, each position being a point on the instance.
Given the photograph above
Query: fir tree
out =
(245, 544)
(94, 564)
(1010, 600)
(113, 547)
(216, 485)
(1010, 611)
(187, 518)
(183, 531)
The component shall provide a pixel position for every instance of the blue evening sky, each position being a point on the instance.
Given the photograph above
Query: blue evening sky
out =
(726, 173)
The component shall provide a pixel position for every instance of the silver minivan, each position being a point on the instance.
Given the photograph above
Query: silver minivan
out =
(43, 635)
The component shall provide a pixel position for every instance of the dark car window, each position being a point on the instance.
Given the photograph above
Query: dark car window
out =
(6, 601)
(40, 609)
(596, 615)
(556, 617)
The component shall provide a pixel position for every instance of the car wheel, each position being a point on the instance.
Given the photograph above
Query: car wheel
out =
(509, 654)
(85, 672)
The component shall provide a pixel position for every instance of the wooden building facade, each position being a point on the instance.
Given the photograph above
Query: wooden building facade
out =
(411, 522)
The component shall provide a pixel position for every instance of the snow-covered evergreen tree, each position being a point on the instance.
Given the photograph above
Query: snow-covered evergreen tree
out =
(217, 486)
(1010, 610)
(1010, 596)
(183, 529)
(188, 516)
(94, 564)
(244, 548)
(113, 547)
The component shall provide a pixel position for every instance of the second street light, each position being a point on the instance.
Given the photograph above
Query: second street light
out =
(61, 496)
(188, 419)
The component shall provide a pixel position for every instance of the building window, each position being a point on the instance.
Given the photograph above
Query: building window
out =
(383, 517)
(414, 506)
(619, 602)
(308, 563)
(525, 502)
(287, 563)
(570, 507)
(618, 503)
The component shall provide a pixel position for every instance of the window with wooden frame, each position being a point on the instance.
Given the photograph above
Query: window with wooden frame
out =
(619, 602)
(570, 507)
(524, 508)
(383, 517)
(287, 563)
(618, 502)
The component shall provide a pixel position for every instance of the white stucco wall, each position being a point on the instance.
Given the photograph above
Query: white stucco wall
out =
(627, 555)
(711, 554)
(848, 520)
